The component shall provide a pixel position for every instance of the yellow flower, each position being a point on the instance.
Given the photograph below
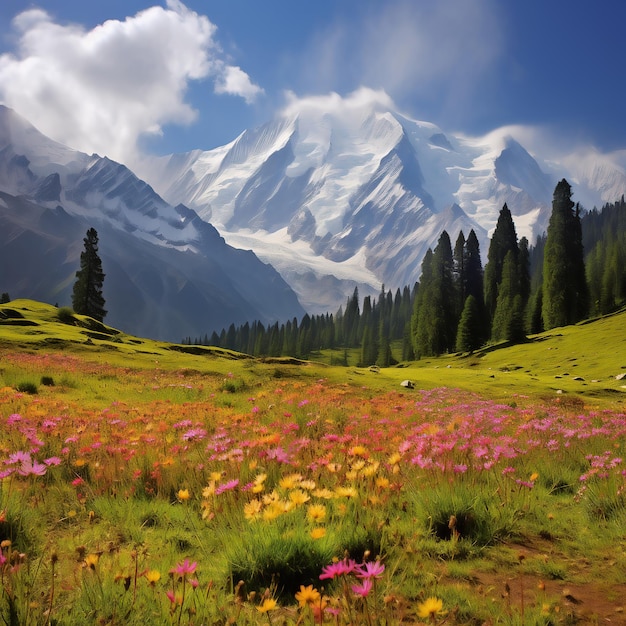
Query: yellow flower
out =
(183, 495)
(371, 469)
(357, 466)
(252, 509)
(273, 510)
(318, 533)
(395, 458)
(290, 482)
(269, 604)
(153, 576)
(382, 482)
(309, 485)
(346, 492)
(358, 451)
(268, 498)
(325, 494)
(430, 607)
(298, 497)
(307, 596)
(533, 477)
(91, 560)
(215, 476)
(316, 512)
(209, 491)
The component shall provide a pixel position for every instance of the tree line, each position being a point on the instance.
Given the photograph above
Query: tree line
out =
(457, 306)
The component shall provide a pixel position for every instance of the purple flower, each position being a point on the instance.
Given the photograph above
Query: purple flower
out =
(30, 467)
(371, 569)
(341, 568)
(227, 486)
(18, 457)
(194, 433)
(363, 589)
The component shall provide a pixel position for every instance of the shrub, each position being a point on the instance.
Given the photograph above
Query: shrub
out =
(456, 513)
(267, 557)
(26, 387)
(65, 315)
(47, 381)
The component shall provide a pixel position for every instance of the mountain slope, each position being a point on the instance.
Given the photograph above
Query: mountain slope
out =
(169, 274)
(357, 191)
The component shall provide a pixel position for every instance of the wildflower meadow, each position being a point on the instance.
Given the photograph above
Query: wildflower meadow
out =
(240, 492)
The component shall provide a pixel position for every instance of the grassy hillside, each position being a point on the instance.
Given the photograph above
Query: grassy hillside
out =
(149, 483)
(583, 360)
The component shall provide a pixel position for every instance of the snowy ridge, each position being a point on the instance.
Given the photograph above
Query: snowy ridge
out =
(351, 188)
(169, 273)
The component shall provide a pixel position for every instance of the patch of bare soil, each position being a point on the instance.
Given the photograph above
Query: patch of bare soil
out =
(580, 603)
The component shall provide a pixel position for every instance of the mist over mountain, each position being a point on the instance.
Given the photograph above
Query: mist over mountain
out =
(169, 274)
(358, 192)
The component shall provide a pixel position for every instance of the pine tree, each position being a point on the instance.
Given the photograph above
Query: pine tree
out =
(458, 272)
(87, 298)
(469, 332)
(474, 283)
(434, 322)
(420, 319)
(503, 240)
(565, 294)
(508, 318)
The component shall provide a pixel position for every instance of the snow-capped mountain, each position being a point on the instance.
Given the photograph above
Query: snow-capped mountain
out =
(354, 192)
(169, 273)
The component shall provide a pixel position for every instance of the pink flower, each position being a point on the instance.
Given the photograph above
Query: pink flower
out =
(371, 569)
(30, 467)
(341, 568)
(184, 568)
(18, 457)
(227, 486)
(363, 589)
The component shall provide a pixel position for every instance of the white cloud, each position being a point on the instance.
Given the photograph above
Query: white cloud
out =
(99, 90)
(362, 99)
(432, 50)
(235, 81)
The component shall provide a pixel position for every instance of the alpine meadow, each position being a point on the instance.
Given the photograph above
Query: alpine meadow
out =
(275, 350)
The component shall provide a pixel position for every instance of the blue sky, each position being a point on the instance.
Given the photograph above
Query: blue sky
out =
(120, 77)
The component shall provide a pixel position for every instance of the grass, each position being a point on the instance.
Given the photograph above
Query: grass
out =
(143, 481)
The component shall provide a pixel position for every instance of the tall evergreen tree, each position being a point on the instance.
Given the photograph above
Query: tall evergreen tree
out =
(87, 298)
(469, 332)
(474, 283)
(420, 319)
(565, 295)
(524, 270)
(458, 273)
(384, 358)
(508, 318)
(434, 322)
(503, 240)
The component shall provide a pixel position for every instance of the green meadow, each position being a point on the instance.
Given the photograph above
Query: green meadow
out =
(151, 483)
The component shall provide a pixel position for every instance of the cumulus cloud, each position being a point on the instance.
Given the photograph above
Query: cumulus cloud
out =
(362, 99)
(99, 90)
(235, 81)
